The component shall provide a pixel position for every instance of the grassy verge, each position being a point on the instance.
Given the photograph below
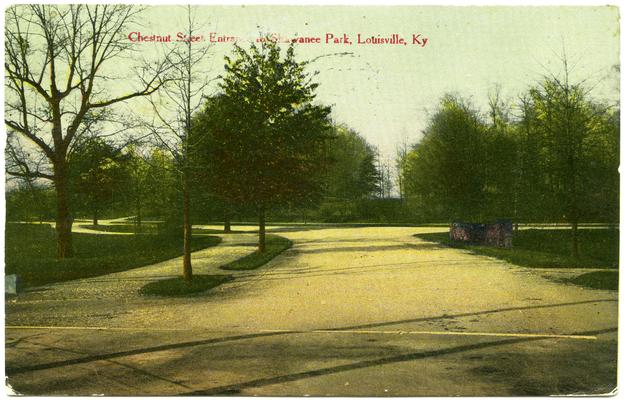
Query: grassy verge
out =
(549, 248)
(274, 246)
(597, 280)
(30, 252)
(179, 287)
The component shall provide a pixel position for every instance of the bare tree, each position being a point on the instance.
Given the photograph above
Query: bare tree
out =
(180, 98)
(56, 80)
(385, 176)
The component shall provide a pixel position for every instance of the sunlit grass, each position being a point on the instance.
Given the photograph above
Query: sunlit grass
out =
(30, 253)
(545, 248)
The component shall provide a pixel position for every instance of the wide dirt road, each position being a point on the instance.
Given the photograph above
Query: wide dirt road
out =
(349, 311)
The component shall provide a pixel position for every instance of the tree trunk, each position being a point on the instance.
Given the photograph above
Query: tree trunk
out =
(63, 217)
(261, 232)
(187, 268)
(227, 223)
(95, 217)
(138, 218)
(575, 244)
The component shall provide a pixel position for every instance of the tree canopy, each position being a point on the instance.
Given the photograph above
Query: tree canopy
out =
(263, 135)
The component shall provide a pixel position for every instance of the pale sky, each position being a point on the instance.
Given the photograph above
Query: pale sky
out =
(387, 92)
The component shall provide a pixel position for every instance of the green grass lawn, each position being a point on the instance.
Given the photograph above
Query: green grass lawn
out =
(30, 252)
(274, 246)
(549, 248)
(597, 280)
(179, 287)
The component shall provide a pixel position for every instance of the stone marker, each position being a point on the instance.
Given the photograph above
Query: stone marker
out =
(498, 234)
(11, 284)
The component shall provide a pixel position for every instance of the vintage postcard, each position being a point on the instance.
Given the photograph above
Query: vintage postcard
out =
(333, 200)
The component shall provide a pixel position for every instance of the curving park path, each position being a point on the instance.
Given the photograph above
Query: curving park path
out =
(367, 311)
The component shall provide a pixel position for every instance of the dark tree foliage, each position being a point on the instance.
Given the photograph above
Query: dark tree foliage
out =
(446, 171)
(29, 201)
(352, 174)
(352, 177)
(263, 136)
(556, 162)
(97, 176)
(579, 150)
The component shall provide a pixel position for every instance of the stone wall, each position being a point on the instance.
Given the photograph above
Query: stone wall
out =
(498, 234)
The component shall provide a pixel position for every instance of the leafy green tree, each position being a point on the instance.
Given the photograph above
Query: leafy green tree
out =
(27, 201)
(138, 173)
(161, 186)
(265, 135)
(96, 175)
(204, 159)
(352, 174)
(446, 170)
(578, 148)
(500, 155)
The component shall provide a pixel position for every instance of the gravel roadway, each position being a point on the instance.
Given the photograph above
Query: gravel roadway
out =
(364, 311)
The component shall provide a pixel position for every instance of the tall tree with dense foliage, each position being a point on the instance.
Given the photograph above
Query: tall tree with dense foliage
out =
(266, 136)
(138, 175)
(446, 170)
(352, 174)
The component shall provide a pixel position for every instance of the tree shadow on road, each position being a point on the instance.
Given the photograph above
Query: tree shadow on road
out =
(10, 371)
(236, 388)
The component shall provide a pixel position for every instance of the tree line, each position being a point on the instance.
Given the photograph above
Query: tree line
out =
(260, 143)
(552, 156)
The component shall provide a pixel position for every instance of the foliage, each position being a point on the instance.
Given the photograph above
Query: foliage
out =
(30, 253)
(179, 287)
(275, 245)
(262, 135)
(352, 174)
(261, 139)
(138, 179)
(162, 179)
(27, 202)
(446, 169)
(96, 175)
(556, 161)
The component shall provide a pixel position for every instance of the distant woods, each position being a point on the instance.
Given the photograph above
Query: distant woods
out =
(550, 156)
